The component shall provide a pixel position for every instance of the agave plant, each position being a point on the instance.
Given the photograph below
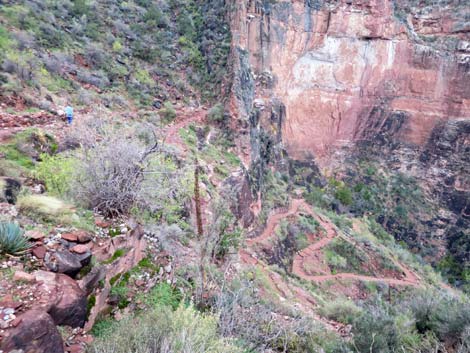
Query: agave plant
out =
(12, 239)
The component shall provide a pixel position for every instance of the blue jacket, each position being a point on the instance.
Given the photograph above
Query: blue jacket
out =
(68, 112)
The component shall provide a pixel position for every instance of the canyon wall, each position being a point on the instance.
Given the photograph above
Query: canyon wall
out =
(334, 81)
(333, 63)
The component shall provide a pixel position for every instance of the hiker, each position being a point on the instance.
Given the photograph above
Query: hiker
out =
(69, 114)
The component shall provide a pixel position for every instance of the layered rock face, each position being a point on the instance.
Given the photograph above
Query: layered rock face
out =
(333, 63)
(330, 82)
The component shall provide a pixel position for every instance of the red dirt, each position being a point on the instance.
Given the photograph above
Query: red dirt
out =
(10, 124)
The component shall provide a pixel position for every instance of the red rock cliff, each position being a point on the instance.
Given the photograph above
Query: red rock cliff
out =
(331, 64)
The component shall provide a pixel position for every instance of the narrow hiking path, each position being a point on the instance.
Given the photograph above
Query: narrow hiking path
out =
(309, 254)
(184, 118)
(11, 124)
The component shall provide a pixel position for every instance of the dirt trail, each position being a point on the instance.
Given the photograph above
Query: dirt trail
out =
(298, 268)
(11, 124)
(185, 118)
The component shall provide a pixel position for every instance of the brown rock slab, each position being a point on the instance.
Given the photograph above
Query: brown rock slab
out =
(34, 235)
(63, 261)
(35, 333)
(8, 302)
(102, 223)
(39, 252)
(62, 298)
(24, 277)
(83, 236)
(75, 348)
(16, 322)
(79, 249)
(70, 237)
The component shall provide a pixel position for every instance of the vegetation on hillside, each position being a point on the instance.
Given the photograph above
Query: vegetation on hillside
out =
(151, 54)
(114, 53)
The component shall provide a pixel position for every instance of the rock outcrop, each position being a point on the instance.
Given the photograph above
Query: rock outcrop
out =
(62, 298)
(333, 64)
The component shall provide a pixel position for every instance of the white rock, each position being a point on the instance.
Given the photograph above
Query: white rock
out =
(168, 268)
(9, 311)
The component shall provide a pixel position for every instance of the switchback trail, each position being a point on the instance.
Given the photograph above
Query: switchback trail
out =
(298, 268)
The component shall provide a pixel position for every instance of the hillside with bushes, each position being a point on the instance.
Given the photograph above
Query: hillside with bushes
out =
(182, 210)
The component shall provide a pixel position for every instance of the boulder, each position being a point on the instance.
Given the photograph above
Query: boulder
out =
(9, 190)
(79, 236)
(100, 222)
(64, 261)
(24, 277)
(39, 251)
(35, 333)
(34, 235)
(83, 236)
(70, 237)
(79, 249)
(62, 298)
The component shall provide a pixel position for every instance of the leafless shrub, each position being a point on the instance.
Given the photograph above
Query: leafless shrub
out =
(97, 78)
(123, 28)
(119, 171)
(78, 27)
(84, 97)
(52, 64)
(243, 314)
(465, 343)
(95, 55)
(24, 40)
(9, 66)
(114, 100)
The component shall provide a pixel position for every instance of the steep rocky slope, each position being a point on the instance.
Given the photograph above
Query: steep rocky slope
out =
(337, 83)
(299, 213)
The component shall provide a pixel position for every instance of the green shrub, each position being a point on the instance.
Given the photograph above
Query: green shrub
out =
(308, 224)
(379, 232)
(342, 255)
(164, 330)
(168, 112)
(335, 261)
(341, 310)
(164, 294)
(117, 254)
(216, 113)
(57, 173)
(341, 221)
(20, 159)
(317, 197)
(11, 169)
(344, 195)
(47, 208)
(375, 331)
(12, 239)
(80, 8)
(5, 41)
(443, 314)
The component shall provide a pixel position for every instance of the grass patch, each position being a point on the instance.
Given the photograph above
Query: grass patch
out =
(342, 310)
(19, 158)
(163, 294)
(163, 329)
(344, 256)
(117, 254)
(47, 208)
